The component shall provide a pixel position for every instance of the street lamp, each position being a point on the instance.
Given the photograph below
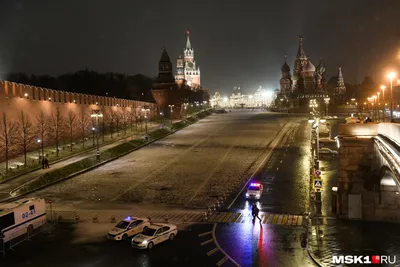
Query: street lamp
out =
(93, 129)
(40, 146)
(326, 104)
(145, 109)
(391, 76)
(171, 107)
(96, 114)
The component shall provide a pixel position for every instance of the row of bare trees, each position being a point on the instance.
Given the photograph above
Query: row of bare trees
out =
(22, 135)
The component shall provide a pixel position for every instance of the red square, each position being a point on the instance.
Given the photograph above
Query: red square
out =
(375, 260)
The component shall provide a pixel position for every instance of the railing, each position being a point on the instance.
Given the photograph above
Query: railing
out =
(391, 152)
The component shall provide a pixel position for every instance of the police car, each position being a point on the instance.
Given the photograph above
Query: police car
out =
(154, 234)
(254, 191)
(128, 227)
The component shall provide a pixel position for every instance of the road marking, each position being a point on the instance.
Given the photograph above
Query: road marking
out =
(275, 219)
(236, 218)
(280, 219)
(285, 219)
(294, 222)
(212, 251)
(206, 233)
(266, 215)
(218, 246)
(300, 220)
(224, 259)
(278, 138)
(290, 219)
(206, 242)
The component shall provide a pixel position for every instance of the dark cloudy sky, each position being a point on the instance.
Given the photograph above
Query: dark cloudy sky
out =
(236, 42)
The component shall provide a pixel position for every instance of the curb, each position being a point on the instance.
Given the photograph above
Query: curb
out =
(92, 167)
(311, 253)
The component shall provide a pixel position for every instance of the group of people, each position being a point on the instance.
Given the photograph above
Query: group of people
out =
(45, 163)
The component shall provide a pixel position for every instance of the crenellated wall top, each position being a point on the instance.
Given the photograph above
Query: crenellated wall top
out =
(16, 90)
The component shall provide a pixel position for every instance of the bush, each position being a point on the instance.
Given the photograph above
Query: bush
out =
(158, 133)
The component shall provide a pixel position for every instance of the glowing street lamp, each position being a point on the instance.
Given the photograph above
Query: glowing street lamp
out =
(145, 109)
(391, 76)
(383, 92)
(171, 107)
(96, 114)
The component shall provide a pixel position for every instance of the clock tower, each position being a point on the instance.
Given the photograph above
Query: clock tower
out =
(187, 66)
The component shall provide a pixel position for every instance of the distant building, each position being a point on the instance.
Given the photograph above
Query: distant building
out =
(307, 81)
(173, 93)
(186, 68)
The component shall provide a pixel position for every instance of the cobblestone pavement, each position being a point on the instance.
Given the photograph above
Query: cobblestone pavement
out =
(7, 186)
(330, 237)
(188, 168)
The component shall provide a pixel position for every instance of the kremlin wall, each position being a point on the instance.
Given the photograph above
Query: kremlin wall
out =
(15, 98)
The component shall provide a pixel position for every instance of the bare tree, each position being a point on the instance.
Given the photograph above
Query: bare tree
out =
(26, 133)
(71, 120)
(42, 127)
(84, 124)
(56, 126)
(8, 136)
(125, 120)
(110, 121)
(117, 119)
(132, 118)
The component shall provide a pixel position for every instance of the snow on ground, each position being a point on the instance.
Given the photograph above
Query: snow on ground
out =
(185, 166)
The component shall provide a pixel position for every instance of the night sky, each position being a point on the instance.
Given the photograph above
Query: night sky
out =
(235, 42)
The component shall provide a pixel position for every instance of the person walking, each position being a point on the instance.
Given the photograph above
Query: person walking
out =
(43, 163)
(256, 211)
(46, 163)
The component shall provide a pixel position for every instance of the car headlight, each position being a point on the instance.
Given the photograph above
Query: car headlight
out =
(257, 195)
(247, 194)
(144, 242)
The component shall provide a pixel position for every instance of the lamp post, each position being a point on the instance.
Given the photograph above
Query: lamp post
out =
(391, 76)
(171, 107)
(326, 100)
(378, 107)
(145, 109)
(40, 147)
(96, 114)
(93, 129)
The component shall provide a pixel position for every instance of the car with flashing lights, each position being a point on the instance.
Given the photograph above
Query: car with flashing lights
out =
(128, 227)
(254, 191)
(155, 234)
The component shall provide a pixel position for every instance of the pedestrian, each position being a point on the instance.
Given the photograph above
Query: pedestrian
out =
(253, 211)
(256, 211)
(43, 163)
(46, 162)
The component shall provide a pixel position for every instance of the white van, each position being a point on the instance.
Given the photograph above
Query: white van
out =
(20, 217)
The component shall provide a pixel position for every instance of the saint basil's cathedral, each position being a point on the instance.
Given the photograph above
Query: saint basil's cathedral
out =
(307, 82)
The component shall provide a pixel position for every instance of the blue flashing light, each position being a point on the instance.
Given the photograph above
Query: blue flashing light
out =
(128, 218)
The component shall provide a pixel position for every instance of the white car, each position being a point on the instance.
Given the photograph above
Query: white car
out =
(128, 227)
(328, 152)
(155, 234)
(254, 191)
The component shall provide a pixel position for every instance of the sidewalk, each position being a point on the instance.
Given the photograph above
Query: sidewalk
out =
(9, 185)
(329, 236)
(65, 152)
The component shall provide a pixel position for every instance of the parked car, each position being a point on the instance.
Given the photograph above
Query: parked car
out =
(220, 111)
(327, 152)
(155, 234)
(128, 227)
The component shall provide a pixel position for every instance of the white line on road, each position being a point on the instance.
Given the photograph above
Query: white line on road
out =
(274, 145)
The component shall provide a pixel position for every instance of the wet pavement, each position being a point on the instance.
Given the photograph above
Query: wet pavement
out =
(279, 240)
(330, 237)
(66, 246)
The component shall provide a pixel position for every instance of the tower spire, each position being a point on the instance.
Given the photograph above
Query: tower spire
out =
(300, 52)
(188, 44)
(340, 88)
